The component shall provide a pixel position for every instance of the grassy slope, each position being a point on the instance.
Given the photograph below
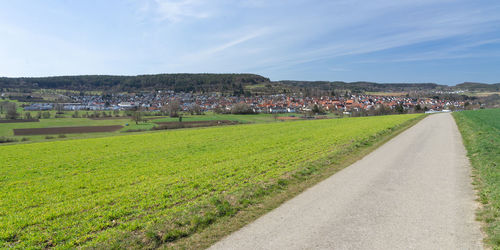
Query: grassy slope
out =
(481, 134)
(150, 189)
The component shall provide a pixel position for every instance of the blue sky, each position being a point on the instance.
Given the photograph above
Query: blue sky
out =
(442, 41)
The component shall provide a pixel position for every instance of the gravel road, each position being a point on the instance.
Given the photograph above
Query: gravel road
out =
(413, 192)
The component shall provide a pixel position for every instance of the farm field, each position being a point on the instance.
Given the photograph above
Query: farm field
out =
(256, 118)
(66, 130)
(6, 129)
(149, 189)
(481, 134)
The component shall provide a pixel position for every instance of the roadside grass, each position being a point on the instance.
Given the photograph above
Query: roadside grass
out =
(168, 189)
(480, 130)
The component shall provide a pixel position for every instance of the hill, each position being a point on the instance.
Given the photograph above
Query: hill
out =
(223, 83)
(474, 86)
(363, 86)
(175, 82)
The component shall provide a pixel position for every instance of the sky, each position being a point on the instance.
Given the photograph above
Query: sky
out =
(439, 41)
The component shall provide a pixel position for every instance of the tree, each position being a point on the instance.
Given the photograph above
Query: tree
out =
(418, 108)
(12, 111)
(195, 109)
(59, 108)
(137, 116)
(467, 106)
(2, 106)
(173, 108)
(218, 110)
(316, 109)
(382, 110)
(241, 108)
(400, 109)
(46, 115)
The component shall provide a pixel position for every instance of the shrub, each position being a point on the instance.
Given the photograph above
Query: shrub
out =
(4, 139)
(241, 108)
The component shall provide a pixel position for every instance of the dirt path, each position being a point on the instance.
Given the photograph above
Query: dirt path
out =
(414, 192)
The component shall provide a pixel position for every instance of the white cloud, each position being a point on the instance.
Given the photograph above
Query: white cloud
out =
(179, 10)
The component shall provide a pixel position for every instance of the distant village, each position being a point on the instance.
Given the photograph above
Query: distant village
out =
(280, 103)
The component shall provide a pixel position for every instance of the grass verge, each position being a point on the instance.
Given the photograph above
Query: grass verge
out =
(480, 131)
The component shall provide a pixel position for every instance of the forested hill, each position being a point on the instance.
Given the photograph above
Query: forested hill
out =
(176, 82)
(225, 83)
(473, 86)
(364, 86)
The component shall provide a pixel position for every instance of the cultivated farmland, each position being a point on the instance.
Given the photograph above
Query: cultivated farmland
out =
(149, 189)
(66, 130)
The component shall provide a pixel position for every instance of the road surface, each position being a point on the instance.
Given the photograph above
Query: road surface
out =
(413, 192)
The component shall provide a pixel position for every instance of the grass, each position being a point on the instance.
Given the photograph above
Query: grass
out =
(159, 189)
(6, 129)
(257, 118)
(481, 134)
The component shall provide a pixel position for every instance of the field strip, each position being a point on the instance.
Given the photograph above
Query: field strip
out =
(66, 130)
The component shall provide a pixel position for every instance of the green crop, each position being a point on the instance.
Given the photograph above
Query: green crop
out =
(86, 192)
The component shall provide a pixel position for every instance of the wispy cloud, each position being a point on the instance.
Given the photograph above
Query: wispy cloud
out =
(377, 36)
(179, 10)
(239, 39)
(461, 51)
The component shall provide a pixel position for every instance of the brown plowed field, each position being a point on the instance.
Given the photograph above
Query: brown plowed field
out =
(111, 118)
(66, 130)
(19, 120)
(286, 118)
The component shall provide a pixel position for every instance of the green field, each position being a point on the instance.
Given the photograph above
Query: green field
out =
(150, 189)
(481, 133)
(6, 129)
(256, 118)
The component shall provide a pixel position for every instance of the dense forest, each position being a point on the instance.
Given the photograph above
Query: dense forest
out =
(225, 83)
(364, 86)
(175, 82)
(473, 86)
